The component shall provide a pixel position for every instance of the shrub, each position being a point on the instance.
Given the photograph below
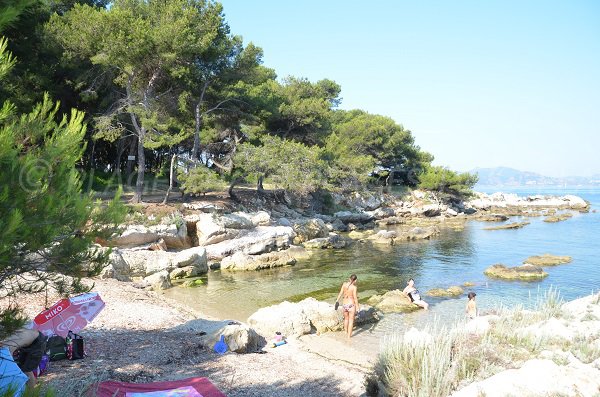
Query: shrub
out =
(446, 181)
(200, 180)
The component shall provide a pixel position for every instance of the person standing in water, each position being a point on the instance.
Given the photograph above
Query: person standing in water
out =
(414, 295)
(349, 304)
(471, 306)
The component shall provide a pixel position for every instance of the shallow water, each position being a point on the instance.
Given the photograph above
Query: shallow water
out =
(450, 259)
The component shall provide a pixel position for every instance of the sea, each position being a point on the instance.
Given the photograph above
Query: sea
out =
(453, 258)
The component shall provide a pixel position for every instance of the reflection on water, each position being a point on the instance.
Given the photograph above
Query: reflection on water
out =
(450, 259)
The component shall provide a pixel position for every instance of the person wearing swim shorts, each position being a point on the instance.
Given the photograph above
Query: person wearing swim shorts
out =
(349, 304)
(414, 295)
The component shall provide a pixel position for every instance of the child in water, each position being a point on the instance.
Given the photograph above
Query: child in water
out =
(471, 306)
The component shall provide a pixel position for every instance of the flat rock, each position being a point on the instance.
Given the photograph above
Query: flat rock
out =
(453, 291)
(269, 260)
(514, 225)
(333, 241)
(558, 217)
(256, 241)
(547, 260)
(394, 301)
(525, 272)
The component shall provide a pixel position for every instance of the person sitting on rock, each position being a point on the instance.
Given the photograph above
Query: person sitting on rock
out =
(414, 295)
(32, 346)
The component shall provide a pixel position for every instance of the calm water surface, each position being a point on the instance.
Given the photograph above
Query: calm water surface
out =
(450, 259)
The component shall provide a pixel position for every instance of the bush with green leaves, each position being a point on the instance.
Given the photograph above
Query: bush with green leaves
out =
(443, 180)
(200, 180)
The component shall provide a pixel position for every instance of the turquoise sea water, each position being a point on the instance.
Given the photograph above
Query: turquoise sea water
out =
(450, 259)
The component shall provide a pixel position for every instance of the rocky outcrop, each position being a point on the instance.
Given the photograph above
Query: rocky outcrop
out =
(558, 218)
(353, 217)
(242, 261)
(394, 301)
(239, 337)
(142, 263)
(504, 200)
(547, 260)
(453, 292)
(514, 225)
(307, 316)
(157, 281)
(174, 236)
(492, 218)
(308, 229)
(359, 235)
(256, 241)
(524, 272)
(391, 237)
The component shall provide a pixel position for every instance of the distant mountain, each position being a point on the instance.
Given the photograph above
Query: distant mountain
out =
(504, 176)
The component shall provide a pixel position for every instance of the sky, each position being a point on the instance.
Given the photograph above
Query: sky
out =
(479, 84)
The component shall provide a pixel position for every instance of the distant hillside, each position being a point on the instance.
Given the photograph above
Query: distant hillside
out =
(504, 176)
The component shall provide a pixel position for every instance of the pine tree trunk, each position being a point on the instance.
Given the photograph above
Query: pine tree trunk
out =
(171, 179)
(196, 147)
(139, 184)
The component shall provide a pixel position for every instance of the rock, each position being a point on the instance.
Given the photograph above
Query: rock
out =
(524, 272)
(192, 257)
(558, 218)
(493, 218)
(420, 233)
(333, 241)
(449, 292)
(356, 235)
(383, 212)
(547, 260)
(552, 328)
(240, 338)
(236, 220)
(158, 281)
(386, 237)
(135, 235)
(365, 201)
(338, 226)
(193, 283)
(451, 212)
(394, 220)
(515, 225)
(431, 210)
(183, 272)
(468, 284)
(298, 252)
(242, 261)
(211, 230)
(117, 267)
(160, 245)
(353, 217)
(260, 218)
(308, 229)
(143, 263)
(174, 235)
(394, 301)
(576, 202)
(304, 317)
(537, 378)
(260, 240)
(284, 222)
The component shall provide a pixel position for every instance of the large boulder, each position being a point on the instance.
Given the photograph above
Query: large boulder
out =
(143, 263)
(394, 301)
(353, 217)
(525, 272)
(210, 229)
(547, 260)
(333, 241)
(135, 235)
(240, 338)
(385, 237)
(257, 241)
(195, 257)
(116, 268)
(420, 233)
(157, 281)
(309, 315)
(242, 261)
(308, 229)
(174, 236)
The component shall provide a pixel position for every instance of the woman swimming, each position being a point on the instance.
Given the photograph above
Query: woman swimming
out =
(349, 303)
(414, 295)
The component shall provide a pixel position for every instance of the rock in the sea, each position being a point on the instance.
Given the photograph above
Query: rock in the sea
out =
(256, 241)
(394, 220)
(492, 218)
(524, 272)
(357, 235)
(394, 301)
(514, 225)
(308, 229)
(453, 291)
(385, 237)
(547, 260)
(242, 261)
(158, 281)
(558, 218)
(420, 233)
(333, 241)
(304, 317)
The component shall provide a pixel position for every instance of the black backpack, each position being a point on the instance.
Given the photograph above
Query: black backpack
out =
(56, 348)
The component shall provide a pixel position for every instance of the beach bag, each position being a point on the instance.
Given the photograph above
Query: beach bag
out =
(75, 346)
(56, 348)
(42, 367)
(29, 357)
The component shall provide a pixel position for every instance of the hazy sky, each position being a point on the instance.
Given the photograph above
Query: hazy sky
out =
(480, 84)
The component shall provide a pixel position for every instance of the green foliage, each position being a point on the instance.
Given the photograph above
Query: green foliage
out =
(199, 179)
(46, 225)
(443, 180)
(285, 164)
